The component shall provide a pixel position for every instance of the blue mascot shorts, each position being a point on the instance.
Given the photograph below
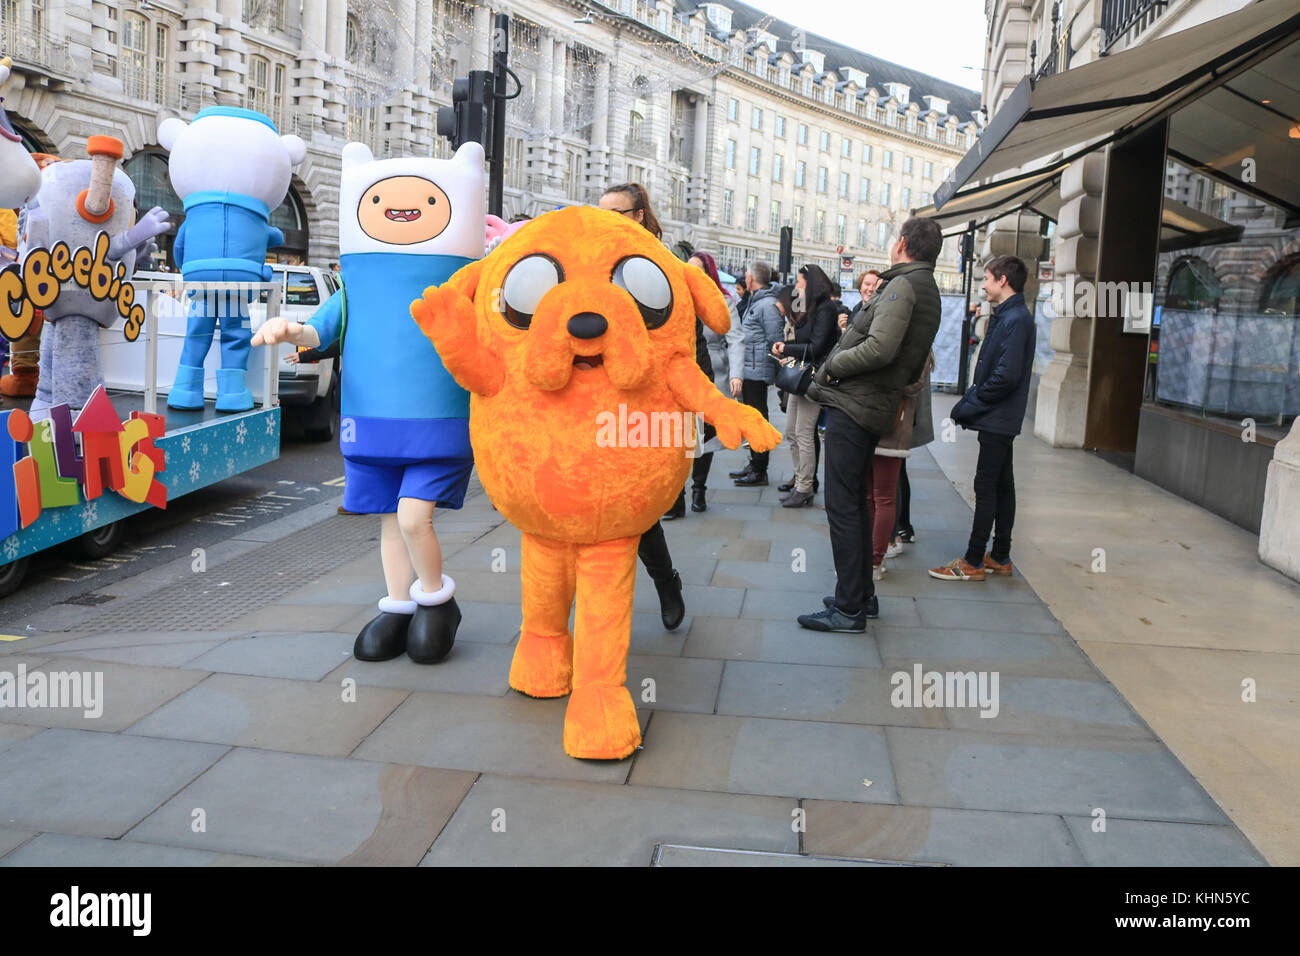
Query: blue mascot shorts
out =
(372, 486)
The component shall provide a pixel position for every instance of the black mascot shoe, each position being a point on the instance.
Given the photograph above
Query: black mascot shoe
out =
(383, 638)
(432, 632)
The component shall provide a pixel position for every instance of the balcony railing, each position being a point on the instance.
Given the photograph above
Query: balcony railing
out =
(641, 146)
(36, 49)
(1120, 17)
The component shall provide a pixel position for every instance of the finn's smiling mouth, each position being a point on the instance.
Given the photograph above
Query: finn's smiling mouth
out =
(402, 215)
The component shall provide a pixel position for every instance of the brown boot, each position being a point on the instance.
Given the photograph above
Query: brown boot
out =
(21, 383)
(997, 567)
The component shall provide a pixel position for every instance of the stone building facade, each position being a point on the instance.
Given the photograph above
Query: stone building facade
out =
(737, 123)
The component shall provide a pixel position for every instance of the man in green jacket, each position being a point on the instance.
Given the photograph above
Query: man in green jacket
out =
(862, 381)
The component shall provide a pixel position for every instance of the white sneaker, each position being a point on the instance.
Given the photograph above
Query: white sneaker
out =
(894, 550)
(878, 571)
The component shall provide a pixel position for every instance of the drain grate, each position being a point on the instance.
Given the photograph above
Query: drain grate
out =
(90, 600)
(673, 854)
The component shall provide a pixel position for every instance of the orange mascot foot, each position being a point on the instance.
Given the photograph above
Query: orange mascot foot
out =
(542, 666)
(600, 723)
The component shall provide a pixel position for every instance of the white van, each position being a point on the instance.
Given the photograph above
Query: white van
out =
(309, 391)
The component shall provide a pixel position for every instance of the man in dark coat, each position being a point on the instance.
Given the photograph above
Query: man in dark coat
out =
(994, 406)
(862, 380)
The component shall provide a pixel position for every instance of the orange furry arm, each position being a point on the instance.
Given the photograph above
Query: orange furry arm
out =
(446, 316)
(734, 421)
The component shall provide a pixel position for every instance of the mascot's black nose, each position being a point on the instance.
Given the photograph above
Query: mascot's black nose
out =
(587, 325)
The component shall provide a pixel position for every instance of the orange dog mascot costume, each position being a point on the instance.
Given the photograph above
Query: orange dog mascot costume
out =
(578, 313)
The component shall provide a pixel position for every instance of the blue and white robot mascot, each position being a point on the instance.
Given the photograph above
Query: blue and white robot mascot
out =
(230, 168)
(404, 225)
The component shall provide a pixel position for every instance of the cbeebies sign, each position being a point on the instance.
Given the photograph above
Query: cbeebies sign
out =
(36, 282)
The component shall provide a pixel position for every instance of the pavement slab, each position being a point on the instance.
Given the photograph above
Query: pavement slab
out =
(1151, 843)
(60, 849)
(779, 640)
(938, 835)
(792, 758)
(471, 668)
(311, 809)
(1046, 774)
(817, 692)
(301, 656)
(511, 821)
(120, 693)
(273, 714)
(513, 734)
(94, 784)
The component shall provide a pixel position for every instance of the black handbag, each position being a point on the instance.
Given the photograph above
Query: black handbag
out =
(794, 376)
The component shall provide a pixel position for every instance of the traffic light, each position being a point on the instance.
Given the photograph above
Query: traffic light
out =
(469, 118)
(787, 251)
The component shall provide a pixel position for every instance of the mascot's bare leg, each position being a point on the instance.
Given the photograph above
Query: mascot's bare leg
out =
(601, 722)
(543, 662)
(421, 623)
(433, 628)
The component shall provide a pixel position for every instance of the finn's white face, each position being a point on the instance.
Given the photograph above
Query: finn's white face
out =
(412, 204)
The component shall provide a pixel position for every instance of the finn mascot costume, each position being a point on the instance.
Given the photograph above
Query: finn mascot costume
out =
(404, 224)
(230, 168)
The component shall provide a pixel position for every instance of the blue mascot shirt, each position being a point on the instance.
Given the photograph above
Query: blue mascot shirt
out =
(403, 404)
(224, 238)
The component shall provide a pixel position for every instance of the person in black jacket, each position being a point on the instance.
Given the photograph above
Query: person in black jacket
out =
(994, 406)
(815, 329)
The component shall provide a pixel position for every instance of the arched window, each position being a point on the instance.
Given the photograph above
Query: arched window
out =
(290, 217)
(350, 49)
(1280, 292)
(1193, 286)
(148, 171)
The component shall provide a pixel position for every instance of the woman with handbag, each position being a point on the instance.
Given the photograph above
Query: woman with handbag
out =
(814, 331)
(892, 452)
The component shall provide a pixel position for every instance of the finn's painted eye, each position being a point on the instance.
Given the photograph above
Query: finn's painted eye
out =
(375, 200)
(433, 201)
(527, 281)
(648, 285)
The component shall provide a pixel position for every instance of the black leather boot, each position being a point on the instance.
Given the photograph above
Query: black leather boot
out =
(678, 510)
(697, 499)
(383, 638)
(671, 606)
(432, 632)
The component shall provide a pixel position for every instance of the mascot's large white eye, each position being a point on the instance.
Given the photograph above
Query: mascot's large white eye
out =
(527, 281)
(646, 283)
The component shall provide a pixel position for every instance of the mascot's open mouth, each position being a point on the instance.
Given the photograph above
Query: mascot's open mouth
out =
(402, 215)
(588, 361)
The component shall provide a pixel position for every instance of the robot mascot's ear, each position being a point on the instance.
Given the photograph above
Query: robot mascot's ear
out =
(297, 149)
(710, 306)
(169, 130)
(465, 279)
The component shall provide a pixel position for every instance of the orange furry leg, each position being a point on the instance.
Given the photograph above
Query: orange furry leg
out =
(600, 722)
(543, 661)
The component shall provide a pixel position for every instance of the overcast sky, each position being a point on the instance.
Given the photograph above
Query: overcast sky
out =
(938, 37)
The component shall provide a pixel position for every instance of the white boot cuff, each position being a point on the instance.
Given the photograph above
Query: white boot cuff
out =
(393, 606)
(433, 598)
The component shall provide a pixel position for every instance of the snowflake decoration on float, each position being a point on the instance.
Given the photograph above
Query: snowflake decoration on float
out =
(241, 432)
(185, 444)
(11, 547)
(270, 425)
(194, 471)
(89, 514)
